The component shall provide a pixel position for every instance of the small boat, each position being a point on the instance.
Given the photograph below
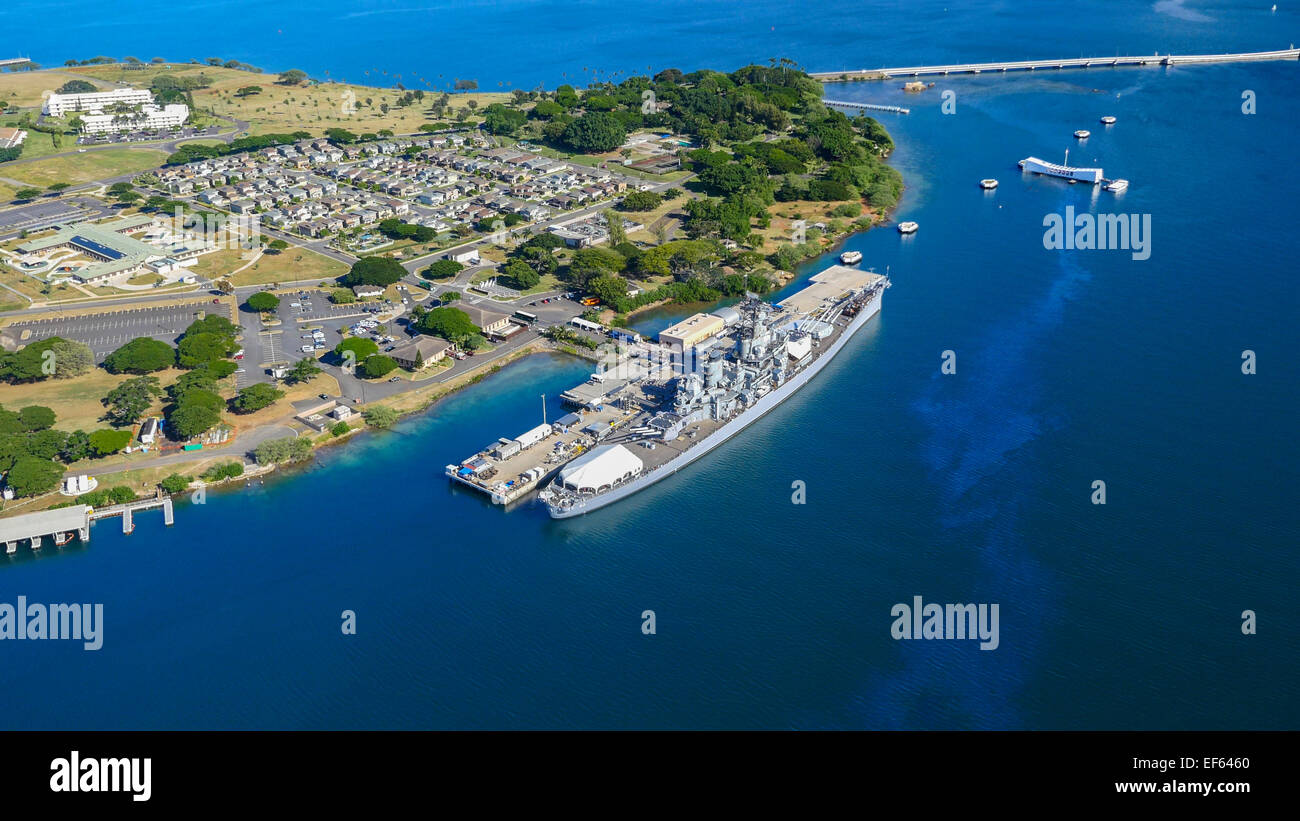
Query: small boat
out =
(1116, 186)
(851, 257)
(1108, 120)
(907, 227)
(989, 184)
(1082, 134)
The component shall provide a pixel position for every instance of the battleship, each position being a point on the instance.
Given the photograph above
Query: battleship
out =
(731, 367)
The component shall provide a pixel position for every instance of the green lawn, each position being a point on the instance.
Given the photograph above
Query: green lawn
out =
(88, 167)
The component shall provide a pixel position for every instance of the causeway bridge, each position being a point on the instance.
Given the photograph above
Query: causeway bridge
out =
(1292, 53)
(15, 61)
(893, 109)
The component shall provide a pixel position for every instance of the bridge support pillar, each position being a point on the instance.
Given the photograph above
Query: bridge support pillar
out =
(36, 542)
(11, 548)
(127, 524)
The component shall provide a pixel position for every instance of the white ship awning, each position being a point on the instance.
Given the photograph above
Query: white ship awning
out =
(600, 468)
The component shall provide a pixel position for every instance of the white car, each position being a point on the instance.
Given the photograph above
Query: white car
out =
(306, 349)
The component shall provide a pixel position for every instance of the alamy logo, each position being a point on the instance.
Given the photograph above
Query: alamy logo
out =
(74, 622)
(946, 621)
(1103, 232)
(129, 775)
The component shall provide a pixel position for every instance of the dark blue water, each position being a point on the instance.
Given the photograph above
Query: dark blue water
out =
(1072, 367)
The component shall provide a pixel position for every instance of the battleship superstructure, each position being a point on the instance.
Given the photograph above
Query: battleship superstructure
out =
(763, 354)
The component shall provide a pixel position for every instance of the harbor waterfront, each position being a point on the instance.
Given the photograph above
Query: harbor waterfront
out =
(1072, 366)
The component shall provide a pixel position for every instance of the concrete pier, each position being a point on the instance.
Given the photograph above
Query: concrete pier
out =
(34, 527)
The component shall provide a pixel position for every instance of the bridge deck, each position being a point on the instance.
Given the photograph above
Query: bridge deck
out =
(1067, 62)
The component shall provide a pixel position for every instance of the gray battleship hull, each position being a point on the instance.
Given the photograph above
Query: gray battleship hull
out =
(730, 429)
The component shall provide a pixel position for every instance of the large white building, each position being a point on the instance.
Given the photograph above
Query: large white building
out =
(150, 117)
(56, 105)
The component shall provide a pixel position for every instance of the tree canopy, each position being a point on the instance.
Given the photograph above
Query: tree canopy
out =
(141, 355)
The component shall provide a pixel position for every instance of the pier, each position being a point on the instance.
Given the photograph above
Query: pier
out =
(893, 109)
(1292, 53)
(62, 523)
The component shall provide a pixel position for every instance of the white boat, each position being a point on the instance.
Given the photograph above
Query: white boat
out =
(1082, 134)
(989, 184)
(851, 257)
(907, 227)
(1117, 186)
(1108, 120)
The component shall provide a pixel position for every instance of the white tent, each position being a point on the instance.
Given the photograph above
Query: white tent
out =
(600, 469)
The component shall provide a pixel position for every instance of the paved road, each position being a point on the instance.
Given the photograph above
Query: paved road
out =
(242, 448)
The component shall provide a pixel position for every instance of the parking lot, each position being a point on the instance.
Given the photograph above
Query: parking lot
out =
(148, 136)
(107, 331)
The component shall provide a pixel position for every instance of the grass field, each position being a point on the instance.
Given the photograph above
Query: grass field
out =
(93, 165)
(76, 401)
(27, 88)
(293, 264)
(313, 108)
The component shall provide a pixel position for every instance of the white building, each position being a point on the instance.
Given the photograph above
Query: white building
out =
(150, 117)
(56, 105)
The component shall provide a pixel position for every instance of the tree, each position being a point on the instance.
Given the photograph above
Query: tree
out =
(339, 428)
(641, 201)
(498, 119)
(452, 324)
(374, 271)
(521, 274)
(302, 371)
(288, 449)
(595, 133)
(358, 346)
(32, 476)
(36, 417)
(58, 186)
(76, 447)
(141, 355)
(27, 193)
(77, 87)
(617, 235)
(174, 484)
(378, 365)
(196, 410)
(248, 91)
(292, 77)
(263, 301)
(442, 269)
(608, 289)
(340, 136)
(104, 442)
(276, 246)
(255, 397)
(593, 262)
(379, 416)
(131, 399)
(195, 350)
(56, 356)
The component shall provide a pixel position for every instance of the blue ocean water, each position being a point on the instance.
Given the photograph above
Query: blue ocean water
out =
(1072, 366)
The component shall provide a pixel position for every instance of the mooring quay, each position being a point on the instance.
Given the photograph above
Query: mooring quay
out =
(63, 523)
(1292, 53)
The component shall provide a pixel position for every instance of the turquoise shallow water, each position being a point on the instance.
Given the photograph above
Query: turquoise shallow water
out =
(1072, 366)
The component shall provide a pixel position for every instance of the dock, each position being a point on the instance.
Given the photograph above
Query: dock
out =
(62, 523)
(893, 109)
(1292, 53)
